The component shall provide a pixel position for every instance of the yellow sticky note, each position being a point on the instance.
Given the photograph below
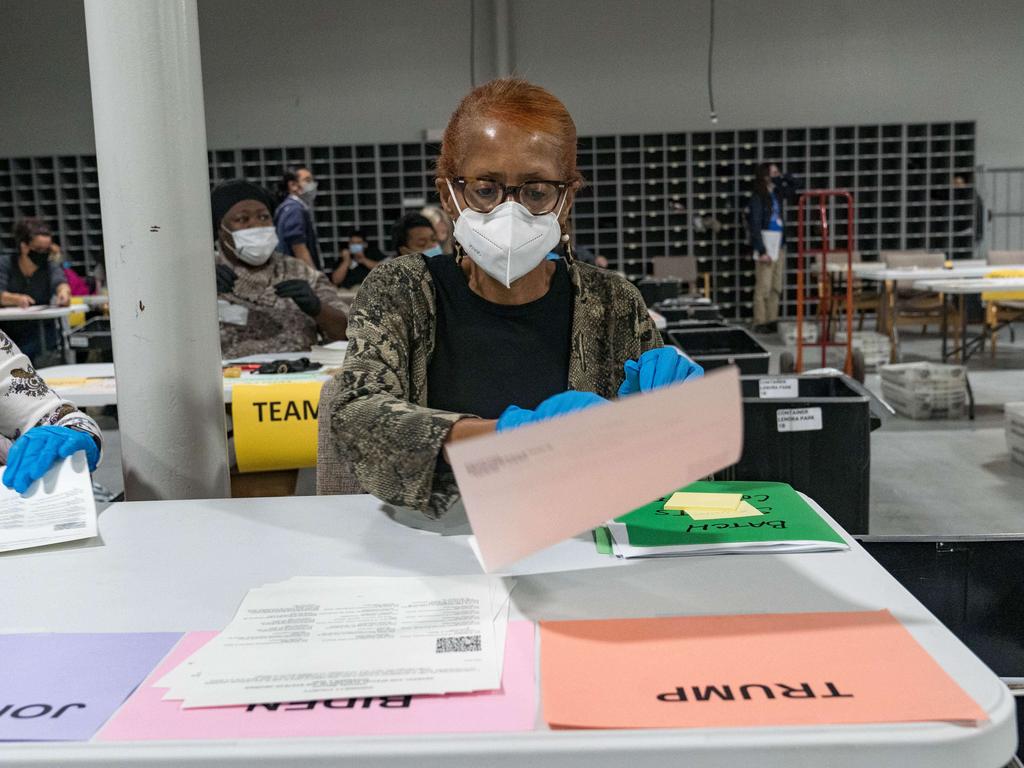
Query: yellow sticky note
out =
(69, 381)
(744, 510)
(275, 425)
(685, 499)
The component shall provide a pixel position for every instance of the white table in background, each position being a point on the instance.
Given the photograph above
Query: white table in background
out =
(882, 274)
(186, 565)
(963, 287)
(100, 388)
(891, 277)
(94, 301)
(43, 313)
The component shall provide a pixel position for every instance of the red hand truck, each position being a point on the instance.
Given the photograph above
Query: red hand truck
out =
(826, 301)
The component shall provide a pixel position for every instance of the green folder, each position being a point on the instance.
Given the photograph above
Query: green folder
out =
(787, 524)
(603, 541)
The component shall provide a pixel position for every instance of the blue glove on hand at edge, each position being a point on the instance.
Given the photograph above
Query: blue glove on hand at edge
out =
(37, 450)
(556, 405)
(658, 368)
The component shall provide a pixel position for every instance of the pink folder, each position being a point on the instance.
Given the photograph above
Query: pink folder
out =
(145, 715)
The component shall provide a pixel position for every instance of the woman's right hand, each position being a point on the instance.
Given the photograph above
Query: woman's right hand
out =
(21, 300)
(556, 405)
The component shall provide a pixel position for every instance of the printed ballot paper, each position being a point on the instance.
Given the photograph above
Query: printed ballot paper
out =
(513, 707)
(63, 687)
(529, 488)
(57, 507)
(313, 638)
(737, 671)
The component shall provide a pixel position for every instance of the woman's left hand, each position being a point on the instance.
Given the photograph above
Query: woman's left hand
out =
(37, 450)
(658, 368)
(63, 295)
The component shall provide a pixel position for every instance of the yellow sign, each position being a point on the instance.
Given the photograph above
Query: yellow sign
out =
(77, 319)
(275, 425)
(1004, 295)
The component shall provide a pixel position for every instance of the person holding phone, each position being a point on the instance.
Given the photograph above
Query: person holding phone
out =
(356, 260)
(766, 226)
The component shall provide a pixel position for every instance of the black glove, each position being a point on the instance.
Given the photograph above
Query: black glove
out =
(301, 293)
(225, 278)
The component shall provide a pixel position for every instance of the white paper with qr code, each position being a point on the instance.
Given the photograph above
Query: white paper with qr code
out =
(313, 638)
(58, 507)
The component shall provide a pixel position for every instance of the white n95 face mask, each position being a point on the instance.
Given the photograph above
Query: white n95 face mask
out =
(308, 192)
(255, 244)
(509, 241)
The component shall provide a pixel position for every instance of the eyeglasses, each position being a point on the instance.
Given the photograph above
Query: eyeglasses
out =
(484, 195)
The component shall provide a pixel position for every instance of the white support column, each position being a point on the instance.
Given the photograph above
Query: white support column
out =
(502, 40)
(147, 97)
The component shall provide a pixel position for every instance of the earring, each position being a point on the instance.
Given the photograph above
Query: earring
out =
(458, 252)
(565, 237)
(569, 257)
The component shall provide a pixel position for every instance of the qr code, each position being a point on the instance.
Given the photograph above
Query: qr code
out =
(458, 644)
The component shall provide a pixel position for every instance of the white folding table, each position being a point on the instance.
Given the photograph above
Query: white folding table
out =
(186, 565)
(890, 277)
(963, 287)
(99, 387)
(41, 313)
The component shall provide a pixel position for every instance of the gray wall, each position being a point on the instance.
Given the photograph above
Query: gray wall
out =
(349, 71)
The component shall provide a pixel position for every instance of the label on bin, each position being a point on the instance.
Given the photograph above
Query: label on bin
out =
(768, 388)
(798, 419)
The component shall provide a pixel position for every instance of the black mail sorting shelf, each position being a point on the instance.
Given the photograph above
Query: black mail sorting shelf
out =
(647, 196)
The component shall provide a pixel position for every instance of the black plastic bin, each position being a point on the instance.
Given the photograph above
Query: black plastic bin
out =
(657, 289)
(823, 448)
(674, 312)
(693, 325)
(94, 338)
(715, 347)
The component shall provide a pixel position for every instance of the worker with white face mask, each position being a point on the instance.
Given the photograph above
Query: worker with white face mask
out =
(267, 302)
(495, 335)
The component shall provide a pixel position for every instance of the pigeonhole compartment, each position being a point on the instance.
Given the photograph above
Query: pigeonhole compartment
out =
(715, 347)
(813, 432)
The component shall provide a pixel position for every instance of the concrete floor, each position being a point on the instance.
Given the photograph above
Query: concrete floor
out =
(928, 477)
(948, 476)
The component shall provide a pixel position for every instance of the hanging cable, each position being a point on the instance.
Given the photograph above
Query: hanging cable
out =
(711, 51)
(472, 43)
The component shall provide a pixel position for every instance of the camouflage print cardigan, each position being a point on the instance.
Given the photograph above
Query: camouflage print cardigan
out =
(380, 417)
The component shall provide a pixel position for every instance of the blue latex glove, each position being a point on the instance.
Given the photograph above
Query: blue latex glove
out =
(556, 405)
(658, 368)
(37, 450)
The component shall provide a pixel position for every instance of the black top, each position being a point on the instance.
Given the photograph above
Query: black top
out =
(490, 356)
(356, 271)
(40, 285)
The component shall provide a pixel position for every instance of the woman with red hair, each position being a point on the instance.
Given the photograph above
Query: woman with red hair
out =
(496, 335)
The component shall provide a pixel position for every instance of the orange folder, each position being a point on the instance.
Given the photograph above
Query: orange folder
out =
(752, 670)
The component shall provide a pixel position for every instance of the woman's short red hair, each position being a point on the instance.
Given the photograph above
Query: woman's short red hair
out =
(519, 103)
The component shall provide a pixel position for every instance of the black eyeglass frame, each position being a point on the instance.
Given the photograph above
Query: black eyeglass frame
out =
(515, 189)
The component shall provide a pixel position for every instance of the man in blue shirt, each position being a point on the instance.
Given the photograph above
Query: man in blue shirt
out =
(293, 218)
